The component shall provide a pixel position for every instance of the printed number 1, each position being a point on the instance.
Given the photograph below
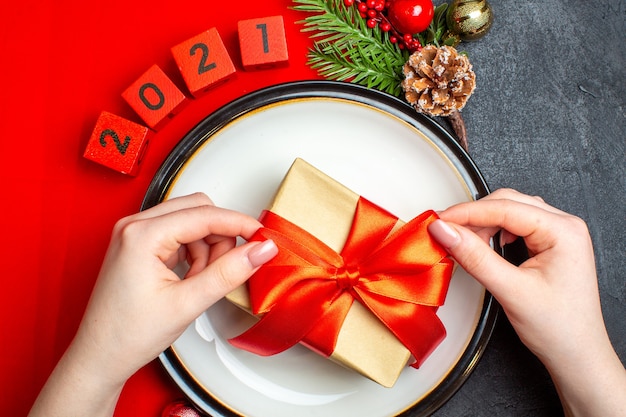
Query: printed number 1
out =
(202, 66)
(266, 45)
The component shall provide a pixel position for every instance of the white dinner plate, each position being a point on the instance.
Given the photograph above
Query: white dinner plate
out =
(375, 145)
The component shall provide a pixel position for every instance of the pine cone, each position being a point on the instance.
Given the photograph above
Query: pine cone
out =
(438, 81)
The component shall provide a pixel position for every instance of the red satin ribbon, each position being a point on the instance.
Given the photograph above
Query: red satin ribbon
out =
(305, 292)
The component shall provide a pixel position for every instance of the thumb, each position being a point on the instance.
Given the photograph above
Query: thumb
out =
(226, 273)
(474, 255)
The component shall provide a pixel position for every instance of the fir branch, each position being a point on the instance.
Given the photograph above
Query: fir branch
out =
(357, 66)
(437, 32)
(345, 49)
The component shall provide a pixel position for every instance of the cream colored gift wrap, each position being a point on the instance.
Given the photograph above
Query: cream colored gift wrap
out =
(351, 281)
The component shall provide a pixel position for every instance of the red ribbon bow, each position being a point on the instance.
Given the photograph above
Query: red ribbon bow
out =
(305, 292)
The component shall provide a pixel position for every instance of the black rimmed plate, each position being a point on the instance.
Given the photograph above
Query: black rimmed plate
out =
(377, 146)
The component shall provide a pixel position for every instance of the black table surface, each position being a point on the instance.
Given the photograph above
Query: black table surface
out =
(548, 118)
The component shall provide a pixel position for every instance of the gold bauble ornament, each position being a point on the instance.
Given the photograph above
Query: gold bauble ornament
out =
(469, 19)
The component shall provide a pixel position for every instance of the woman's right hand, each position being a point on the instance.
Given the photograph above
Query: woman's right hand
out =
(551, 299)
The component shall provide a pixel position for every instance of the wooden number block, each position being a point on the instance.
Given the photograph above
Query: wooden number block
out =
(154, 97)
(117, 143)
(262, 42)
(203, 61)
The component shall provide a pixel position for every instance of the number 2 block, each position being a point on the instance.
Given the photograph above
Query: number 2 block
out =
(154, 97)
(262, 42)
(117, 143)
(203, 61)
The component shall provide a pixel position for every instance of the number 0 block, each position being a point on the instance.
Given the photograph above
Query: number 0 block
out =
(117, 143)
(154, 97)
(203, 61)
(262, 42)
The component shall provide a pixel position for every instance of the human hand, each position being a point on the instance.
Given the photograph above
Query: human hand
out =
(140, 306)
(551, 299)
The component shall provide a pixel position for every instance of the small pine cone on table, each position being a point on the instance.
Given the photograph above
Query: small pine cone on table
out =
(438, 80)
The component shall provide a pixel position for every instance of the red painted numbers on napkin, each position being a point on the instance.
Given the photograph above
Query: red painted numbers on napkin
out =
(203, 62)
(117, 143)
(262, 42)
(154, 97)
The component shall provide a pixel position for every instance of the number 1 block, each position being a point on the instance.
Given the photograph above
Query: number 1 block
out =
(263, 44)
(117, 143)
(154, 97)
(203, 61)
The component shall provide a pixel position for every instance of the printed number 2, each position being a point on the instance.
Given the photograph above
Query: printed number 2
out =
(202, 66)
(266, 45)
(118, 144)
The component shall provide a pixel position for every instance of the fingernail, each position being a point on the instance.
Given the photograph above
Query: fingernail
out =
(262, 252)
(444, 234)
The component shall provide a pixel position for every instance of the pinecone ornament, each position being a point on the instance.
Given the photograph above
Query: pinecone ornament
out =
(438, 80)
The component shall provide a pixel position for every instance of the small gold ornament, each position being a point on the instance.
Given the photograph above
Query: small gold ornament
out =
(470, 19)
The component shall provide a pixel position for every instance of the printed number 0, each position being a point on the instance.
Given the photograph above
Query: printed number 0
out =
(202, 66)
(118, 144)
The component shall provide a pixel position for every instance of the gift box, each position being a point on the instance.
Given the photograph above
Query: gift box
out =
(351, 281)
